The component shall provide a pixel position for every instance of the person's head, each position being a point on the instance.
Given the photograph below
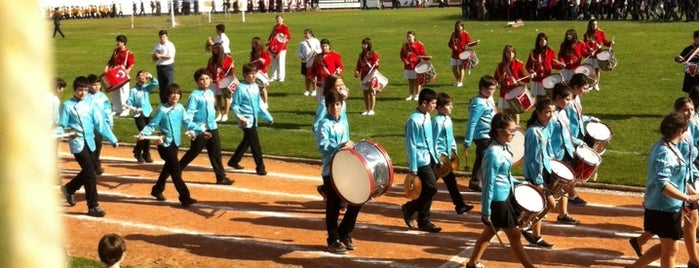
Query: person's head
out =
(487, 86)
(111, 249)
(141, 77)
(80, 87)
(333, 83)
(444, 103)
(249, 72)
(508, 53)
(163, 36)
(95, 84)
(410, 37)
(308, 33)
(280, 19)
(60, 85)
(333, 103)
(121, 40)
(685, 105)
(502, 128)
(366, 44)
(256, 43)
(427, 100)
(325, 45)
(673, 125)
(202, 77)
(220, 28)
(579, 84)
(217, 53)
(458, 26)
(571, 36)
(543, 112)
(175, 94)
(591, 26)
(696, 38)
(562, 94)
(542, 42)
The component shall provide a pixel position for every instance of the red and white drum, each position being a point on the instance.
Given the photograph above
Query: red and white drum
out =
(277, 43)
(425, 73)
(520, 99)
(516, 146)
(362, 173)
(530, 200)
(564, 178)
(469, 58)
(607, 61)
(261, 79)
(597, 135)
(589, 72)
(550, 81)
(229, 82)
(115, 78)
(375, 80)
(586, 162)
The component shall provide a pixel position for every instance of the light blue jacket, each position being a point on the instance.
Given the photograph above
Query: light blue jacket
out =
(480, 115)
(537, 153)
(498, 182)
(419, 143)
(576, 118)
(443, 134)
(331, 134)
(103, 104)
(170, 120)
(84, 119)
(666, 166)
(139, 96)
(246, 103)
(562, 142)
(200, 106)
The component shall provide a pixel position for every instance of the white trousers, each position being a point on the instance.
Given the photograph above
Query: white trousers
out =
(279, 66)
(119, 97)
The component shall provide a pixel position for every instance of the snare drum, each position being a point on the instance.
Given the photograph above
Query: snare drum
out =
(229, 82)
(516, 146)
(261, 79)
(469, 58)
(564, 178)
(597, 135)
(520, 99)
(115, 78)
(375, 80)
(276, 43)
(550, 82)
(530, 200)
(586, 162)
(607, 61)
(589, 72)
(362, 173)
(690, 68)
(425, 73)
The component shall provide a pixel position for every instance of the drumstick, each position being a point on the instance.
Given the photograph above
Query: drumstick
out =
(473, 43)
(65, 135)
(496, 233)
(691, 56)
(612, 44)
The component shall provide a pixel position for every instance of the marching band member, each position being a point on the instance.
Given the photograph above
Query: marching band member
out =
(577, 121)
(510, 74)
(446, 145)
(541, 60)
(307, 51)
(480, 114)
(368, 60)
(332, 134)
(221, 65)
(139, 101)
(690, 58)
(411, 53)
(280, 30)
(422, 158)
(170, 117)
(498, 211)
(571, 53)
(259, 56)
(594, 39)
(537, 168)
(121, 56)
(99, 99)
(328, 62)
(459, 40)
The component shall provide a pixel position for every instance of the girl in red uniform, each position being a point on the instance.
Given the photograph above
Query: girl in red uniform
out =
(278, 48)
(459, 40)
(326, 63)
(508, 74)
(220, 65)
(594, 39)
(259, 56)
(368, 60)
(541, 60)
(571, 53)
(410, 54)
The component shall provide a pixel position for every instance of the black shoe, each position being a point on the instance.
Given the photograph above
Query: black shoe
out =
(148, 159)
(235, 166)
(224, 181)
(188, 202)
(70, 199)
(347, 242)
(474, 187)
(637, 247)
(463, 209)
(321, 191)
(529, 237)
(577, 201)
(540, 242)
(261, 172)
(335, 246)
(139, 158)
(567, 219)
(430, 227)
(96, 212)
(691, 265)
(99, 171)
(408, 218)
(158, 196)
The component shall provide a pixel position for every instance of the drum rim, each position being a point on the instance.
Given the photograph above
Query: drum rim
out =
(611, 133)
(595, 154)
(366, 168)
(563, 164)
(537, 189)
(388, 160)
(423, 63)
(520, 159)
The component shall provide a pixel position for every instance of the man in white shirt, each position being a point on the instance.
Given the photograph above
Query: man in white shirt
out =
(222, 38)
(164, 57)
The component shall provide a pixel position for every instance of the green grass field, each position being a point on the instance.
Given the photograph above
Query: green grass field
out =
(632, 101)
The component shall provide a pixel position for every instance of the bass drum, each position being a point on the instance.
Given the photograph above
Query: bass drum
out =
(362, 173)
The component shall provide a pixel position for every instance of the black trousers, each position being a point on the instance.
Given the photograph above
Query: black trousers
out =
(166, 76)
(423, 203)
(98, 149)
(481, 145)
(213, 149)
(57, 29)
(142, 147)
(87, 177)
(172, 166)
(251, 140)
(454, 193)
(332, 213)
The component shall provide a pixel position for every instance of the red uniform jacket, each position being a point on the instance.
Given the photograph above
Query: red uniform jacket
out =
(458, 43)
(364, 64)
(325, 64)
(594, 44)
(507, 76)
(218, 73)
(263, 66)
(280, 28)
(573, 58)
(542, 64)
(409, 54)
(121, 57)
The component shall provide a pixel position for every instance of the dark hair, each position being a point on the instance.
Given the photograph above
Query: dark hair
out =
(590, 33)
(681, 101)
(329, 83)
(426, 95)
(221, 28)
(694, 94)
(578, 80)
(139, 73)
(256, 48)
(199, 72)
(60, 82)
(505, 49)
(111, 248)
(561, 90)
(443, 99)
(217, 55)
(162, 32)
(567, 45)
(486, 82)
(456, 27)
(672, 123)
(538, 48)
(367, 41)
(540, 106)
(308, 30)
(332, 97)
(92, 78)
(121, 38)
(80, 81)
(174, 89)
(499, 121)
(249, 67)
(696, 34)
(411, 32)
(324, 42)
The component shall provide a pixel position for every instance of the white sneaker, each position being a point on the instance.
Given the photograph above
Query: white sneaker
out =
(371, 112)
(124, 113)
(415, 98)
(306, 93)
(459, 84)
(365, 113)
(596, 87)
(409, 98)
(218, 118)
(224, 118)
(313, 93)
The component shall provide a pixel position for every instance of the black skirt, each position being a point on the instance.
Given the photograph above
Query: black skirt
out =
(504, 214)
(663, 224)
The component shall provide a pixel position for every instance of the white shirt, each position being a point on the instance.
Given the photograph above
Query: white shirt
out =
(307, 49)
(167, 49)
(225, 43)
